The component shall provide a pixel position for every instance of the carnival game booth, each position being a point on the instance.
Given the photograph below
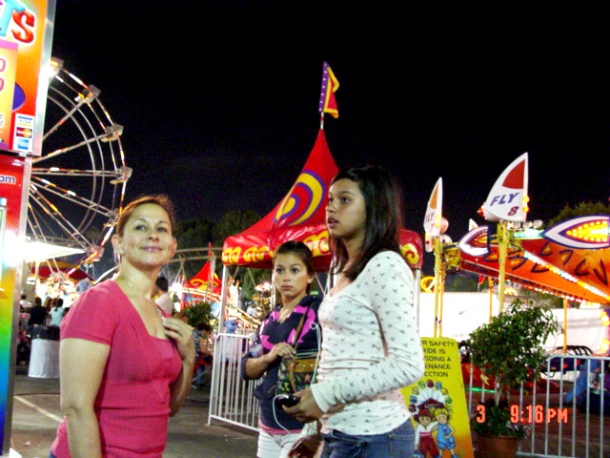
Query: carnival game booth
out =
(300, 215)
(203, 286)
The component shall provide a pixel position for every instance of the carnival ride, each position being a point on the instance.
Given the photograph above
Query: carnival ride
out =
(78, 183)
(569, 260)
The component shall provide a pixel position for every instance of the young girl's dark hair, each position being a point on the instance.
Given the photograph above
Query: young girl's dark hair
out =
(383, 200)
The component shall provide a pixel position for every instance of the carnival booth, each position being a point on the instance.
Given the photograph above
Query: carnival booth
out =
(300, 215)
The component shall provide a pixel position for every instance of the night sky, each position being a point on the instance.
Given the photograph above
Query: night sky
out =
(219, 99)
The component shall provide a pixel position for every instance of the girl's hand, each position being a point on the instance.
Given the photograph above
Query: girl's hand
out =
(307, 409)
(280, 350)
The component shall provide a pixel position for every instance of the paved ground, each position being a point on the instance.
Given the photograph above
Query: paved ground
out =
(36, 416)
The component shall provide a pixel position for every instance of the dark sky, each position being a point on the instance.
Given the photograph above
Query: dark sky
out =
(219, 99)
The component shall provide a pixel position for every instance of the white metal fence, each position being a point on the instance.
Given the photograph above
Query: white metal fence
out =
(231, 398)
(578, 428)
(561, 428)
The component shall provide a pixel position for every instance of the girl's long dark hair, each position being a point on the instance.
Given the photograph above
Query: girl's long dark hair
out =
(384, 203)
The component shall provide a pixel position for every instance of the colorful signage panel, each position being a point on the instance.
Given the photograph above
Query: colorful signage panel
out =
(438, 403)
(8, 71)
(12, 191)
(25, 53)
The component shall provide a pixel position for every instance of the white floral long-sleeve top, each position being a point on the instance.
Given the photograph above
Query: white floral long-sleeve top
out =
(371, 349)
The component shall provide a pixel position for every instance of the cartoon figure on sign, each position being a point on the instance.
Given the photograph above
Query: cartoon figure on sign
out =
(444, 432)
(424, 442)
(432, 407)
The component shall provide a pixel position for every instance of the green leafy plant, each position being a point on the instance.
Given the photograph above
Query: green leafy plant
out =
(510, 351)
(199, 311)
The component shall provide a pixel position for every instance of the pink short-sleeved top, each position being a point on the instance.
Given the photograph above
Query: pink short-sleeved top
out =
(133, 402)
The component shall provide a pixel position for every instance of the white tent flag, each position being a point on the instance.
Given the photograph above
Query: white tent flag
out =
(508, 198)
(434, 215)
(434, 212)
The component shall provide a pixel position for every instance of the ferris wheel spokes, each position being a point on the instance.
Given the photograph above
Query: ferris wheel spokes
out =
(78, 184)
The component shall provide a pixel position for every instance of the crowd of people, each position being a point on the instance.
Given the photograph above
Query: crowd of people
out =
(38, 314)
(38, 320)
(127, 362)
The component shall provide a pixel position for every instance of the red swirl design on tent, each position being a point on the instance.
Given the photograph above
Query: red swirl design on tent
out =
(301, 215)
(305, 199)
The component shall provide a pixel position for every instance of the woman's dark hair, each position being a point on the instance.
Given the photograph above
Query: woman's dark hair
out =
(158, 199)
(299, 249)
(162, 283)
(384, 204)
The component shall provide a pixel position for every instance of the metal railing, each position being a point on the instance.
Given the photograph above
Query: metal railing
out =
(231, 398)
(561, 424)
(558, 428)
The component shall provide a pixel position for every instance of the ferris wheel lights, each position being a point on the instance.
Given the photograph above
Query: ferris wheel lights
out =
(125, 176)
(94, 254)
(54, 68)
(89, 94)
(75, 128)
(56, 64)
(113, 132)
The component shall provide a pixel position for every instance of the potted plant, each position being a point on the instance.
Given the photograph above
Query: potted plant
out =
(509, 351)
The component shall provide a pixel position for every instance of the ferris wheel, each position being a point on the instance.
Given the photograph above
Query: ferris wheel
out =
(78, 183)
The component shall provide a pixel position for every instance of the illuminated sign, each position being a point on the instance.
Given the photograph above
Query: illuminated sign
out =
(587, 232)
(25, 47)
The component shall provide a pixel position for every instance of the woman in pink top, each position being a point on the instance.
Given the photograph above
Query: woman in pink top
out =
(125, 367)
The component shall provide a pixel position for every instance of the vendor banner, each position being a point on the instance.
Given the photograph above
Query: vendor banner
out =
(25, 55)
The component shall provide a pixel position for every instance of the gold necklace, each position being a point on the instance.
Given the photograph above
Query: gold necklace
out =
(133, 288)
